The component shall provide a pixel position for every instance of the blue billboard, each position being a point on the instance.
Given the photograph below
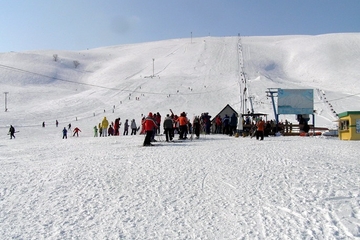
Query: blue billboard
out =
(295, 101)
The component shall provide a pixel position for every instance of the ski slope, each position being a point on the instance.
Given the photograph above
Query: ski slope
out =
(216, 187)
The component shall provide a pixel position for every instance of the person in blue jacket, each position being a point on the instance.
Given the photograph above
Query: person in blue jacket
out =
(64, 131)
(232, 124)
(225, 121)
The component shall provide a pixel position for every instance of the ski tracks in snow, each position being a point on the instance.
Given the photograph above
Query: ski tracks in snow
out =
(241, 189)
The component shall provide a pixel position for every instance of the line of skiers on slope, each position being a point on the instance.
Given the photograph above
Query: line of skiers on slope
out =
(64, 131)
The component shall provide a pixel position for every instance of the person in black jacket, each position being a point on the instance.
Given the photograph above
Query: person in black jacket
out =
(196, 127)
(232, 124)
(11, 132)
(225, 122)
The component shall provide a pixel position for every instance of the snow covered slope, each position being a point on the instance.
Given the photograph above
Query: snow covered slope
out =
(215, 187)
(195, 77)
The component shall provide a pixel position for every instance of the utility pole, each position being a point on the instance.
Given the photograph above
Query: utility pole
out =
(153, 67)
(6, 93)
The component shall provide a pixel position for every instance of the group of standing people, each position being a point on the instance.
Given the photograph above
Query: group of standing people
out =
(113, 129)
(226, 125)
(171, 124)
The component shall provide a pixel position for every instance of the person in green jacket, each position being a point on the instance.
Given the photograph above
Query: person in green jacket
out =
(95, 131)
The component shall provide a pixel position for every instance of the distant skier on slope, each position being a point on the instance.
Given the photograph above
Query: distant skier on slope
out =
(76, 131)
(126, 127)
(11, 132)
(95, 131)
(64, 131)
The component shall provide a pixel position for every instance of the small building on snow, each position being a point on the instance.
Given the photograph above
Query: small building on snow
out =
(349, 125)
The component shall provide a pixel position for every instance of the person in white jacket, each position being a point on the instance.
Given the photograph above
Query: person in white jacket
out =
(133, 127)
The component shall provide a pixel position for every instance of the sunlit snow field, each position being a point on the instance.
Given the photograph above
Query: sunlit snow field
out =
(215, 187)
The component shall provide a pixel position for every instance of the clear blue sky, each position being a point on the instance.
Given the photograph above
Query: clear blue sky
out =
(81, 24)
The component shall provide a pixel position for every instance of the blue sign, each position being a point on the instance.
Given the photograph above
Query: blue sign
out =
(295, 101)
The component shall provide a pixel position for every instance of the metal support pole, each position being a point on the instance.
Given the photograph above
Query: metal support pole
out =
(271, 94)
(153, 67)
(6, 93)
(313, 116)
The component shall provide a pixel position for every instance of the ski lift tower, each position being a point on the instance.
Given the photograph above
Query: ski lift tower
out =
(273, 92)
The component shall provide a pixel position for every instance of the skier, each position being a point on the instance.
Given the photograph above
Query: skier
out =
(168, 128)
(260, 129)
(126, 127)
(133, 127)
(95, 131)
(104, 126)
(182, 126)
(110, 131)
(100, 130)
(11, 132)
(149, 126)
(232, 124)
(142, 126)
(225, 122)
(117, 126)
(64, 131)
(158, 121)
(56, 123)
(196, 127)
(76, 131)
(218, 124)
(206, 119)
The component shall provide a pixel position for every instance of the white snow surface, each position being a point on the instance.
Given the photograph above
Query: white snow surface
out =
(215, 187)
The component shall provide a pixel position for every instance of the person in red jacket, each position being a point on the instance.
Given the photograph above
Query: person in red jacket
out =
(158, 121)
(260, 129)
(142, 126)
(183, 125)
(76, 131)
(149, 126)
(218, 124)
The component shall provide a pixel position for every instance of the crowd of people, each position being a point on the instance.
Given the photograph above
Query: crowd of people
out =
(152, 125)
